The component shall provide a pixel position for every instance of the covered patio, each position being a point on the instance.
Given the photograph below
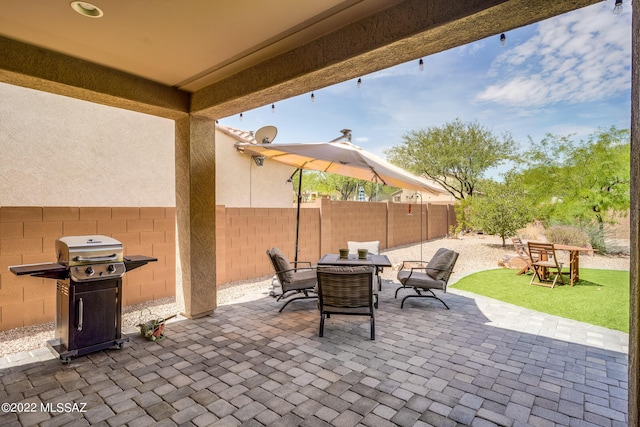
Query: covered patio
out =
(482, 363)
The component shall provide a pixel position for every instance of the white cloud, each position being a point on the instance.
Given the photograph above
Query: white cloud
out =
(472, 49)
(582, 56)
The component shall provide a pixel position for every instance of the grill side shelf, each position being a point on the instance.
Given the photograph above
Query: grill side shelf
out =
(132, 262)
(48, 270)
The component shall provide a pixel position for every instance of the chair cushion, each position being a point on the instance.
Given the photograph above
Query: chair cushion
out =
(373, 247)
(438, 266)
(301, 279)
(282, 264)
(420, 280)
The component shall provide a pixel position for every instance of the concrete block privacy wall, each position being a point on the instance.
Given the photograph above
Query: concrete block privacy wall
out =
(28, 234)
(244, 234)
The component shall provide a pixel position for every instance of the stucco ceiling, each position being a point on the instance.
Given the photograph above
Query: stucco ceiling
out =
(186, 44)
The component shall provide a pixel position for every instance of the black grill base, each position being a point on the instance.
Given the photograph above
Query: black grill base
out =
(88, 317)
(65, 355)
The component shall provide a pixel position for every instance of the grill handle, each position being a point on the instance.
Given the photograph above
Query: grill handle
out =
(80, 258)
(80, 313)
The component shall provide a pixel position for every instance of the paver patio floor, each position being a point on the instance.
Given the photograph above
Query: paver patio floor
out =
(482, 363)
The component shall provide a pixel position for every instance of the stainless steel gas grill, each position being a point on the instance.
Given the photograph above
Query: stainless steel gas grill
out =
(88, 293)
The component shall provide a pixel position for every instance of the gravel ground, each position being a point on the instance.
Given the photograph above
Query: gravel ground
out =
(477, 253)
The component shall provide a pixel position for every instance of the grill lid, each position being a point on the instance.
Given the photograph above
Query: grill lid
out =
(85, 250)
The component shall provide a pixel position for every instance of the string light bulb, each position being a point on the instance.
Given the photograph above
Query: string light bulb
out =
(359, 82)
(421, 64)
(617, 8)
(273, 108)
(503, 40)
(313, 97)
(241, 116)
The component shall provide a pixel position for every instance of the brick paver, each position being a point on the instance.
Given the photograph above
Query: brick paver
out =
(481, 363)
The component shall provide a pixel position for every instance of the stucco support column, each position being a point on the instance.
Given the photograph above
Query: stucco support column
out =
(195, 216)
(634, 303)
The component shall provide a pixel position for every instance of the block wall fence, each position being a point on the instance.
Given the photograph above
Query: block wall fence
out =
(28, 234)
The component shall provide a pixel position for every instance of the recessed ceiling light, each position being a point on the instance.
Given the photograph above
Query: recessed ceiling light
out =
(86, 9)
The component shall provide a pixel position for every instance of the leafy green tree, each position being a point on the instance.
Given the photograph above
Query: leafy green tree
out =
(502, 208)
(375, 191)
(456, 155)
(311, 181)
(330, 184)
(586, 182)
(344, 185)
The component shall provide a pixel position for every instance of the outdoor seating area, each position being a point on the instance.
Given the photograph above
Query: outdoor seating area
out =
(541, 259)
(484, 363)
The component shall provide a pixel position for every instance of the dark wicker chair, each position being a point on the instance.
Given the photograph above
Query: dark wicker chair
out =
(435, 275)
(346, 290)
(293, 279)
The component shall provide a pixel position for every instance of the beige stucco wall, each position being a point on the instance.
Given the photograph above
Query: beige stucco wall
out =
(241, 183)
(60, 151)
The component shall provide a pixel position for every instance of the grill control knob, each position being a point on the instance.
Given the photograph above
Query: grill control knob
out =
(89, 271)
(111, 268)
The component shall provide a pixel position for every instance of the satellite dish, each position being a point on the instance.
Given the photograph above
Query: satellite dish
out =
(266, 134)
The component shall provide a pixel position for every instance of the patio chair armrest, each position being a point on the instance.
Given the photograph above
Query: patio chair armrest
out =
(410, 261)
(295, 269)
(450, 270)
(295, 263)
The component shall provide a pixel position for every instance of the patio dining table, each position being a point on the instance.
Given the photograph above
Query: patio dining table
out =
(353, 260)
(374, 260)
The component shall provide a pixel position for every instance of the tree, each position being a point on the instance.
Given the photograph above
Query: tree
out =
(502, 208)
(342, 184)
(455, 155)
(310, 182)
(376, 191)
(585, 182)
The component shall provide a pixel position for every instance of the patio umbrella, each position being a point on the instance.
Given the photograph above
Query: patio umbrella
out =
(342, 158)
(339, 157)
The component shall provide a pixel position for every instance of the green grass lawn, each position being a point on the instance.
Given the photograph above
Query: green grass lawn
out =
(600, 298)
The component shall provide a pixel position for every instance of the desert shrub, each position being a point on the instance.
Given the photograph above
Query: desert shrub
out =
(599, 238)
(533, 231)
(567, 235)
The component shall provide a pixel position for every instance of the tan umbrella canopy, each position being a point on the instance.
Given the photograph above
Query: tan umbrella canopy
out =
(342, 158)
(339, 157)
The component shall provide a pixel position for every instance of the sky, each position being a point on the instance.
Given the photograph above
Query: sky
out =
(568, 75)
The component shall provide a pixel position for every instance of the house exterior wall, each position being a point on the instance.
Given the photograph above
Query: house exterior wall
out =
(241, 183)
(59, 151)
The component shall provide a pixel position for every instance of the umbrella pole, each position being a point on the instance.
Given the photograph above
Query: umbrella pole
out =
(298, 215)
